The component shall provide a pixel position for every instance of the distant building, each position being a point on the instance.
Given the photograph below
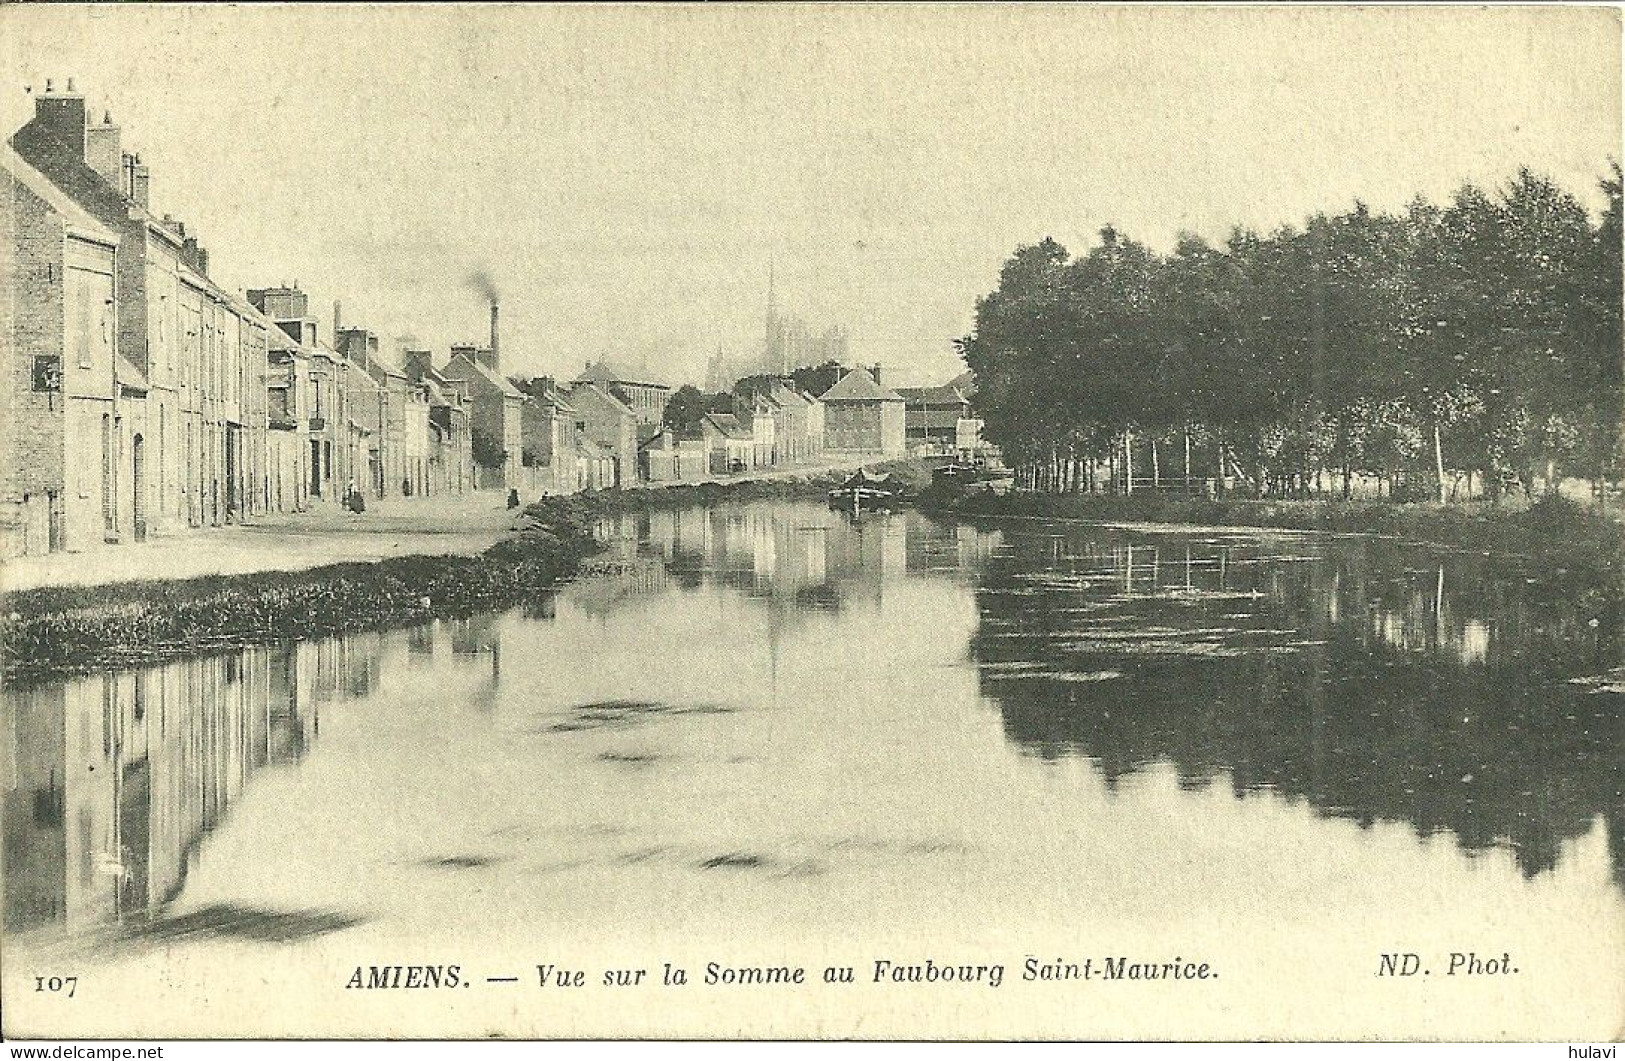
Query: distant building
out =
(550, 436)
(450, 440)
(729, 442)
(324, 406)
(861, 416)
(670, 456)
(645, 398)
(497, 419)
(287, 458)
(932, 416)
(604, 420)
(788, 343)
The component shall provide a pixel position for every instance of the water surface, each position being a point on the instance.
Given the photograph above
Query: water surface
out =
(773, 732)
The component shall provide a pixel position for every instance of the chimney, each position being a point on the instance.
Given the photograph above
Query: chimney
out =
(62, 116)
(102, 152)
(496, 349)
(140, 183)
(876, 373)
(195, 257)
(338, 317)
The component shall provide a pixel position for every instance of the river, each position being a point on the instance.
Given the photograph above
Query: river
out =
(770, 733)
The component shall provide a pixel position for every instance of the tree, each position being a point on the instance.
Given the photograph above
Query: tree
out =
(1483, 336)
(488, 452)
(685, 408)
(816, 379)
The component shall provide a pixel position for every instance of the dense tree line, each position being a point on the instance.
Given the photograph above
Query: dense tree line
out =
(1440, 351)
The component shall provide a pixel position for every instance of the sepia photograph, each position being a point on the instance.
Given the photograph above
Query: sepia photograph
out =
(927, 522)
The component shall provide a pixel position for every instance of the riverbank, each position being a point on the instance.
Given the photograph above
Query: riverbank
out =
(463, 524)
(57, 630)
(1549, 527)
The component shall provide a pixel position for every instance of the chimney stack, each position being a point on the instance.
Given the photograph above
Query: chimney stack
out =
(62, 116)
(140, 183)
(496, 349)
(102, 152)
(338, 318)
(877, 373)
(195, 256)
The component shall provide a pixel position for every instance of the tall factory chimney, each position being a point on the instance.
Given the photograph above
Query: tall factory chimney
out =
(496, 348)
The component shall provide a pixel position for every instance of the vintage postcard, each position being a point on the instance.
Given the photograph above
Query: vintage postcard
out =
(812, 522)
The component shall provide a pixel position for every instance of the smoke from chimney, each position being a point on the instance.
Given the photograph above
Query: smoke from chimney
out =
(481, 281)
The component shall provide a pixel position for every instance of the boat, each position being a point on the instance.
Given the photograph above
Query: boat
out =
(971, 477)
(867, 490)
(954, 474)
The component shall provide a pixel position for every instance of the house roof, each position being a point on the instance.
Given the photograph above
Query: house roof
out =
(786, 395)
(946, 394)
(277, 339)
(463, 367)
(602, 390)
(729, 425)
(68, 173)
(671, 439)
(551, 394)
(79, 220)
(859, 386)
(605, 371)
(964, 383)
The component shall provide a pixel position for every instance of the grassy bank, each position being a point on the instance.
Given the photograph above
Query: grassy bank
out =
(1549, 527)
(61, 630)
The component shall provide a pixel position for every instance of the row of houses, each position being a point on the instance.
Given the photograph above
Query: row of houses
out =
(612, 422)
(139, 397)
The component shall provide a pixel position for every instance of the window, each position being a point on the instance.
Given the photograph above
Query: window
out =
(47, 373)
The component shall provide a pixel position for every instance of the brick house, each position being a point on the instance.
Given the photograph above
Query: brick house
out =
(72, 445)
(497, 411)
(287, 456)
(325, 404)
(178, 333)
(550, 435)
(604, 419)
(670, 456)
(449, 442)
(861, 416)
(731, 446)
(931, 417)
(645, 398)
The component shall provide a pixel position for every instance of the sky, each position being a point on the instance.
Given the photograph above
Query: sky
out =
(627, 176)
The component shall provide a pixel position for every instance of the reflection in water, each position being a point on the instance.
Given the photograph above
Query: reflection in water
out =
(714, 660)
(1433, 694)
(117, 778)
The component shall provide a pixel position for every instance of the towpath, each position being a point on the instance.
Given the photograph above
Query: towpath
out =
(459, 524)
